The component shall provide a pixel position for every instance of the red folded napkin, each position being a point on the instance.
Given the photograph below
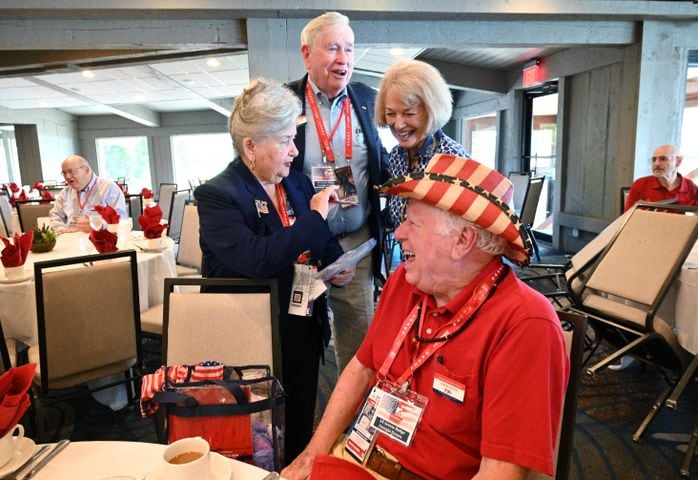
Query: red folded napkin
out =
(103, 240)
(46, 195)
(14, 255)
(14, 384)
(22, 196)
(38, 186)
(14, 188)
(147, 193)
(326, 466)
(108, 214)
(150, 222)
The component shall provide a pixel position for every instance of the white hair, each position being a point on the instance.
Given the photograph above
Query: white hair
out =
(319, 24)
(486, 241)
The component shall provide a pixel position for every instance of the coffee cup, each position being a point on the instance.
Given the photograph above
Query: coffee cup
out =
(9, 444)
(187, 458)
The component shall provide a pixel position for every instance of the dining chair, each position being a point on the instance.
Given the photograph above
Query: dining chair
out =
(88, 321)
(165, 197)
(135, 208)
(623, 294)
(624, 192)
(529, 207)
(29, 211)
(233, 321)
(189, 254)
(174, 221)
(574, 331)
(5, 214)
(520, 180)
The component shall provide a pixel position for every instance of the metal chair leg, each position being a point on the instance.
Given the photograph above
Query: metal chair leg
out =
(690, 454)
(652, 413)
(687, 376)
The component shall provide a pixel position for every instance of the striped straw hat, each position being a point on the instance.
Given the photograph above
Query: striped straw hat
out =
(470, 190)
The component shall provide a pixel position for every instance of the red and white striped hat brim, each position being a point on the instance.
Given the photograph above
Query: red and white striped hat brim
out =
(470, 190)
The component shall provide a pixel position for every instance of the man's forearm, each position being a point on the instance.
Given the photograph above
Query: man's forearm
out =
(341, 409)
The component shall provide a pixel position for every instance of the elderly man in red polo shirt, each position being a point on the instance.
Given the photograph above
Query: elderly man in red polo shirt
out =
(463, 369)
(665, 182)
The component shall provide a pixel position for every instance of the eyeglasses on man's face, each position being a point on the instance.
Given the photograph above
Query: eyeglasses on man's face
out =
(71, 172)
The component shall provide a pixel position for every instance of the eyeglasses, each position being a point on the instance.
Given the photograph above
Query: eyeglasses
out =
(72, 171)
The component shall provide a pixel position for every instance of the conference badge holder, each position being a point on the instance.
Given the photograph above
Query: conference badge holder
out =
(390, 410)
(306, 288)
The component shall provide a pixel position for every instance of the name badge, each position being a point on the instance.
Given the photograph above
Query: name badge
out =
(301, 298)
(323, 177)
(449, 388)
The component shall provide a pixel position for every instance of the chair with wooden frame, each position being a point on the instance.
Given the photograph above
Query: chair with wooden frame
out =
(29, 211)
(574, 331)
(178, 199)
(88, 320)
(165, 198)
(189, 254)
(529, 207)
(520, 180)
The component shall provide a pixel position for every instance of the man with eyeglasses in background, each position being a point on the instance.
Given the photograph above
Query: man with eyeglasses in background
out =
(665, 182)
(83, 191)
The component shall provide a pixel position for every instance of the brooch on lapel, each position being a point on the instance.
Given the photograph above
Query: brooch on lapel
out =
(262, 207)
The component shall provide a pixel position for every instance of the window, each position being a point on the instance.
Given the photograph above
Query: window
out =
(689, 140)
(9, 166)
(199, 157)
(125, 157)
(480, 138)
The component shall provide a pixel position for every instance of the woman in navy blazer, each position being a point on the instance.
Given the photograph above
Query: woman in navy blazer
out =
(258, 218)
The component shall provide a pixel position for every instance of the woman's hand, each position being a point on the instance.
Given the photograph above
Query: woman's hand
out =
(300, 468)
(343, 277)
(321, 200)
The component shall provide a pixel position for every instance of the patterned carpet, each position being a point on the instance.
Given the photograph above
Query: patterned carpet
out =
(610, 408)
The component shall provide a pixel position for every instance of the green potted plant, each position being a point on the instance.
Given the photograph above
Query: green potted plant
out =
(44, 239)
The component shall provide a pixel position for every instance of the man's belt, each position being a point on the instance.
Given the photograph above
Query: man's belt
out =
(380, 463)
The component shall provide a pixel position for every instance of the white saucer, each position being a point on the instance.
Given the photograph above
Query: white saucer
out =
(27, 276)
(23, 453)
(220, 466)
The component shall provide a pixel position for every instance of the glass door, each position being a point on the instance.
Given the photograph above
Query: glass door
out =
(539, 144)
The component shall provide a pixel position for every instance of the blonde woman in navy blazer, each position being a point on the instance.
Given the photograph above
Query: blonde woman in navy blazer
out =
(257, 219)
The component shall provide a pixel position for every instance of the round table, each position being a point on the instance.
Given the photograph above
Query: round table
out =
(100, 460)
(18, 300)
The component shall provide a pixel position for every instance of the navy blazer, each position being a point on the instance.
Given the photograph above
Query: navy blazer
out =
(363, 100)
(240, 237)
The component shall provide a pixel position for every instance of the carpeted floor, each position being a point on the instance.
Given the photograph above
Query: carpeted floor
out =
(610, 408)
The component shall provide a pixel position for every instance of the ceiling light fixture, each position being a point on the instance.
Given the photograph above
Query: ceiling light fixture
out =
(140, 98)
(213, 62)
(43, 104)
(88, 73)
(397, 52)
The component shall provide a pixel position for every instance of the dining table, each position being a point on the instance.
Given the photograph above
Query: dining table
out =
(18, 298)
(102, 460)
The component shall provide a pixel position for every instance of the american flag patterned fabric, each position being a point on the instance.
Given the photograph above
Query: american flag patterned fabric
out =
(155, 382)
(470, 190)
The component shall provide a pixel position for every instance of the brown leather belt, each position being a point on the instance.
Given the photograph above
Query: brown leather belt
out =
(379, 463)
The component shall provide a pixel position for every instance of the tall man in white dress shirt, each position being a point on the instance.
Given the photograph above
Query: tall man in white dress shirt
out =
(339, 143)
(83, 191)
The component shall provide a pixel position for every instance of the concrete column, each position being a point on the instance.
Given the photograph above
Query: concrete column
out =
(274, 48)
(661, 92)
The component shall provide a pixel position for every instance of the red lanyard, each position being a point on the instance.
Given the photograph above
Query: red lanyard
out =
(325, 141)
(281, 209)
(87, 196)
(479, 296)
(286, 219)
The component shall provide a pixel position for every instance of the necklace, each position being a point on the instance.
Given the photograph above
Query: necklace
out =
(465, 324)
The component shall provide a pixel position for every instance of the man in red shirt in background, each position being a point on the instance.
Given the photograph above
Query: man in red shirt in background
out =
(665, 182)
(463, 369)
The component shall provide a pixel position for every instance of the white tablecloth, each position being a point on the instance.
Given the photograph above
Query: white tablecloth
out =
(100, 460)
(18, 300)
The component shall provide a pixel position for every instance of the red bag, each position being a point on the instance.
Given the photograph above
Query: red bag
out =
(241, 416)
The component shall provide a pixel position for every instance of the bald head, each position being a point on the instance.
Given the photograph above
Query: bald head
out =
(665, 165)
(76, 171)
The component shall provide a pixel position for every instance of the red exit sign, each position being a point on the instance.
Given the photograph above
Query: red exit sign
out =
(532, 73)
